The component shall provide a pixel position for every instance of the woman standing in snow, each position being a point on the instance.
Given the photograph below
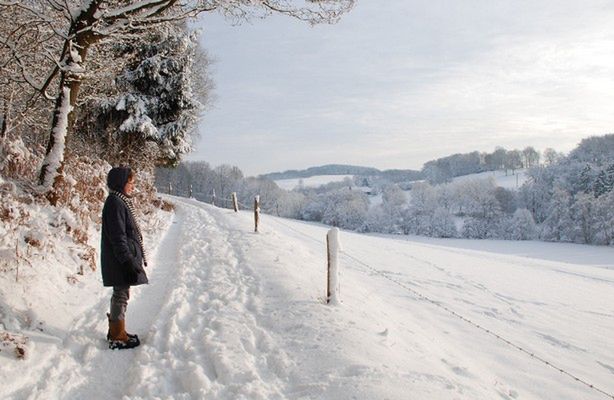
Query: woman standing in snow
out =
(122, 253)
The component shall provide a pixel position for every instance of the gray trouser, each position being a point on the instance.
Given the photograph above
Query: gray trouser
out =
(119, 303)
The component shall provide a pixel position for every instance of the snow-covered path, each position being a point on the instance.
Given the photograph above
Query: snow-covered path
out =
(231, 314)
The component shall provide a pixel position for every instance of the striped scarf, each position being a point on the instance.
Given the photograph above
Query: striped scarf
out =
(128, 202)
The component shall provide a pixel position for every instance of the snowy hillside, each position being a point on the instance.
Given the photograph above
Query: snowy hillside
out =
(510, 180)
(312, 181)
(231, 314)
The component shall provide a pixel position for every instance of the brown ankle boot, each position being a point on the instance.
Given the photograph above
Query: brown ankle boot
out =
(130, 336)
(117, 331)
(119, 339)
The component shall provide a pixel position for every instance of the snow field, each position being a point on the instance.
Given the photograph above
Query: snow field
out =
(231, 314)
(536, 304)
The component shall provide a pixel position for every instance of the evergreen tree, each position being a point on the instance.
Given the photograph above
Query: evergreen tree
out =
(600, 186)
(152, 117)
(586, 179)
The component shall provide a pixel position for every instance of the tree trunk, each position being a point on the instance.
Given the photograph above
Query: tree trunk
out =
(71, 73)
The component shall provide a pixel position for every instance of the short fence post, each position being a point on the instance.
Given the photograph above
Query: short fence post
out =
(170, 188)
(235, 203)
(256, 212)
(332, 250)
(190, 190)
(213, 198)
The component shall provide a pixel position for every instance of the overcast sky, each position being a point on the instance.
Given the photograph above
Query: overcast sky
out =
(399, 82)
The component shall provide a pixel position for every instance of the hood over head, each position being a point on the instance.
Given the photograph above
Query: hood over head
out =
(117, 178)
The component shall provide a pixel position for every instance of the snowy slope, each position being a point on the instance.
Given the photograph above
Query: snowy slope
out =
(507, 180)
(231, 314)
(312, 181)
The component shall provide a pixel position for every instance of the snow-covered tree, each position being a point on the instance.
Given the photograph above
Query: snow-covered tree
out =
(585, 218)
(535, 194)
(377, 221)
(442, 224)
(226, 180)
(512, 160)
(506, 199)
(437, 171)
(496, 160)
(604, 219)
(393, 203)
(77, 27)
(478, 228)
(150, 117)
(558, 224)
(530, 157)
(478, 199)
(447, 196)
(520, 226)
(596, 150)
(423, 198)
(551, 156)
(345, 208)
(586, 180)
(604, 182)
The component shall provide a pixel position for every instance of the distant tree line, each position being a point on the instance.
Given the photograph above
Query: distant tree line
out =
(444, 169)
(394, 175)
(572, 198)
(566, 198)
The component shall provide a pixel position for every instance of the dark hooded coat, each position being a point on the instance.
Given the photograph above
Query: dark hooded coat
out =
(121, 257)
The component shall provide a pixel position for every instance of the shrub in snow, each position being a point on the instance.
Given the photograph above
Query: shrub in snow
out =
(16, 160)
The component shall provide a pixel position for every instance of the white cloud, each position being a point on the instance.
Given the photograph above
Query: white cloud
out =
(397, 85)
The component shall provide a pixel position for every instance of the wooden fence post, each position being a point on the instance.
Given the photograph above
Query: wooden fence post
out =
(213, 198)
(256, 212)
(190, 190)
(235, 203)
(332, 282)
